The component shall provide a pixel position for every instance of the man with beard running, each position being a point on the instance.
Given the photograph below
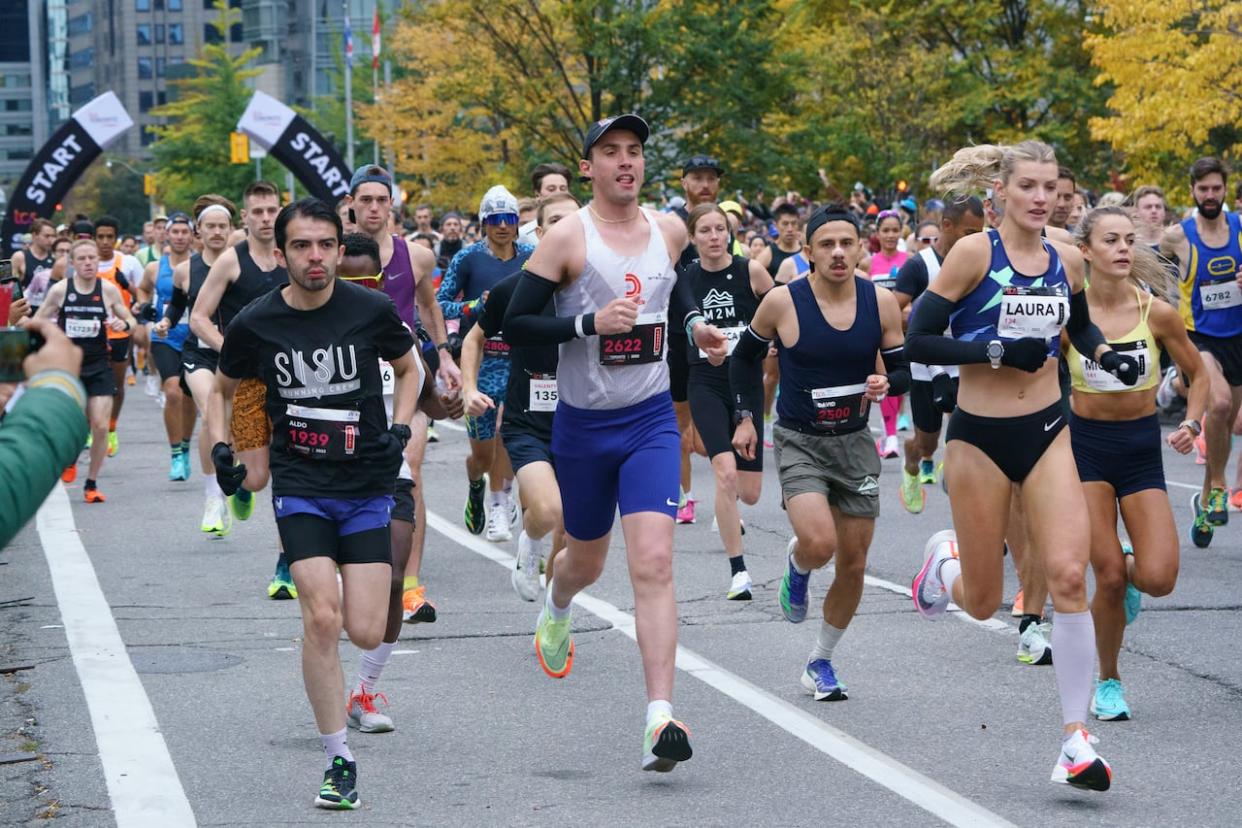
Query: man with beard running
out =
(33, 265)
(334, 458)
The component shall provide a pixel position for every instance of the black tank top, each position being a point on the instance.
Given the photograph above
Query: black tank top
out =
(779, 256)
(824, 375)
(726, 299)
(84, 319)
(198, 274)
(42, 268)
(250, 285)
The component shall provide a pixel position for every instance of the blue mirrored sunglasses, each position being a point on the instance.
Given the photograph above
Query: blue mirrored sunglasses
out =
(501, 218)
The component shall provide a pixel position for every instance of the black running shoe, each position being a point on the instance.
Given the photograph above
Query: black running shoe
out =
(475, 516)
(338, 792)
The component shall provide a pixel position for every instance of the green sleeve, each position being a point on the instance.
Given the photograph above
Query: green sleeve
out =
(42, 435)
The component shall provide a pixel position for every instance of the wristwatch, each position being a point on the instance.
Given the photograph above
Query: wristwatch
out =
(1192, 426)
(995, 351)
(741, 414)
(401, 432)
(444, 346)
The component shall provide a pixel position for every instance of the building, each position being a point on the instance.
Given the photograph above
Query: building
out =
(25, 121)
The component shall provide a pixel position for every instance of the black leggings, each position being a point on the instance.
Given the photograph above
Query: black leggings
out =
(1014, 444)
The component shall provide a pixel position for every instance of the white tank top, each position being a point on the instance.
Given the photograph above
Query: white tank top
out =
(582, 381)
(918, 370)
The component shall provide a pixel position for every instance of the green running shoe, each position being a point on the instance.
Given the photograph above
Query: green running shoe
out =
(113, 444)
(1201, 530)
(911, 492)
(281, 588)
(241, 504)
(666, 742)
(338, 791)
(1218, 507)
(1134, 598)
(475, 515)
(927, 472)
(554, 646)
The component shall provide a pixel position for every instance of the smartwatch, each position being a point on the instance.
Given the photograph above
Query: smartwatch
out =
(444, 346)
(741, 414)
(1192, 426)
(996, 350)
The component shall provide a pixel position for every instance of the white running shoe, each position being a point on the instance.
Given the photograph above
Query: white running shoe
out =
(216, 518)
(739, 589)
(1079, 765)
(362, 713)
(1033, 646)
(498, 524)
(716, 524)
(525, 575)
(515, 511)
(930, 597)
(153, 385)
(890, 447)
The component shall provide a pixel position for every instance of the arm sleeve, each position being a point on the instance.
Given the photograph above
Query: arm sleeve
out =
(898, 368)
(912, 278)
(926, 342)
(681, 304)
(176, 306)
(492, 317)
(450, 287)
(745, 382)
(1083, 334)
(524, 321)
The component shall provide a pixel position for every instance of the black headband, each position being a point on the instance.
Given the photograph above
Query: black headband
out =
(826, 214)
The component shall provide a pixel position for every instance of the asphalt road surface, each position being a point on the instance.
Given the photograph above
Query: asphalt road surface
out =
(163, 688)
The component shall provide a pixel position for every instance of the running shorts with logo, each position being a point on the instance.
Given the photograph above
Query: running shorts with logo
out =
(120, 349)
(251, 427)
(844, 468)
(347, 530)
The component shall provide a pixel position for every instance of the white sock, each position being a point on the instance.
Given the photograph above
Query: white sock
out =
(657, 709)
(827, 641)
(557, 613)
(211, 486)
(372, 664)
(794, 563)
(495, 498)
(508, 486)
(689, 495)
(334, 745)
(949, 576)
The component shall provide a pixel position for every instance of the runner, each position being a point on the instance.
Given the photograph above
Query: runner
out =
(1115, 435)
(33, 265)
(86, 307)
(474, 271)
(125, 272)
(530, 399)
(155, 291)
(546, 180)
(728, 289)
(614, 438)
(883, 269)
(933, 389)
(1150, 212)
(333, 457)
(828, 467)
(1207, 248)
(154, 247)
(1009, 424)
(215, 224)
(1067, 185)
(788, 241)
(240, 275)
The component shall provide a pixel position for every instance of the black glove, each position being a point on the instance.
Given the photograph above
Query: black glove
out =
(228, 475)
(1025, 354)
(146, 313)
(401, 432)
(1122, 366)
(944, 393)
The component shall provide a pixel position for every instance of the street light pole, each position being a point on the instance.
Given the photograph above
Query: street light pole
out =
(108, 162)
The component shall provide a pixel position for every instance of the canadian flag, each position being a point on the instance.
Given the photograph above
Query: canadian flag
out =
(375, 39)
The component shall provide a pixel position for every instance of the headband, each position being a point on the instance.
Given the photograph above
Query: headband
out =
(210, 207)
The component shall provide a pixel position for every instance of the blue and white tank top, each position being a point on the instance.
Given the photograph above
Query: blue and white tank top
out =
(163, 295)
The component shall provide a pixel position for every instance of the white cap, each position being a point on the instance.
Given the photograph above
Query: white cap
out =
(497, 201)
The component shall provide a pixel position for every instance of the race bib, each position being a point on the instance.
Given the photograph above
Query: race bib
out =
(81, 328)
(495, 348)
(1039, 312)
(732, 337)
(1220, 295)
(323, 433)
(542, 392)
(888, 282)
(841, 408)
(641, 345)
(1100, 380)
(387, 378)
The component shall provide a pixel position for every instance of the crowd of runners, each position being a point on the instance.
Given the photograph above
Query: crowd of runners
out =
(594, 347)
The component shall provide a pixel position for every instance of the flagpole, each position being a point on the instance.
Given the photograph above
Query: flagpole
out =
(375, 33)
(349, 90)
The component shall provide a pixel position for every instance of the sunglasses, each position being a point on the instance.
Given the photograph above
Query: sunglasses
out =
(501, 218)
(883, 214)
(367, 281)
(928, 239)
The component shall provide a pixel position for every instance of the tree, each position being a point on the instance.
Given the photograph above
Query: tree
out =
(192, 150)
(1175, 72)
(110, 191)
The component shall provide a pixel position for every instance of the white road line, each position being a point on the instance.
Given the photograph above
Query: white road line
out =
(142, 782)
(449, 424)
(993, 624)
(880, 768)
(1197, 488)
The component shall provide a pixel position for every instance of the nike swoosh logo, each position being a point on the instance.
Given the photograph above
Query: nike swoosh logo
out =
(670, 501)
(1049, 426)
(280, 503)
(191, 366)
(392, 276)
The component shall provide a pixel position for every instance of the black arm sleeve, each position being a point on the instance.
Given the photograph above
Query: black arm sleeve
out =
(898, 368)
(176, 306)
(745, 382)
(524, 322)
(925, 339)
(1083, 334)
(681, 304)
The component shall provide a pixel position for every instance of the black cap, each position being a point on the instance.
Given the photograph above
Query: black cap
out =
(82, 228)
(179, 217)
(628, 121)
(369, 173)
(701, 162)
(827, 213)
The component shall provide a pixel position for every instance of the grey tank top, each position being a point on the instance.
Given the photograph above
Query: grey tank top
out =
(582, 381)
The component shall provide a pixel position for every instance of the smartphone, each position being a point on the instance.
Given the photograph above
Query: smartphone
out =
(15, 345)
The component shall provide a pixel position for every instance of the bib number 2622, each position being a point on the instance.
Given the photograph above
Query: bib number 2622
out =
(644, 343)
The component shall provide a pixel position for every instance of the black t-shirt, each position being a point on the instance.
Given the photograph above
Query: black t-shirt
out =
(912, 277)
(532, 370)
(324, 392)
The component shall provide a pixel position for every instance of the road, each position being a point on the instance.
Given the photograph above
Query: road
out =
(164, 687)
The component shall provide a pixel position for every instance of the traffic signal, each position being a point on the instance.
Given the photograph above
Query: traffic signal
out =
(239, 148)
(902, 186)
(148, 184)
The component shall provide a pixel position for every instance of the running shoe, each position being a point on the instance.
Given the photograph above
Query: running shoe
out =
(153, 385)
(1018, 609)
(216, 519)
(339, 790)
(1134, 598)
(1217, 507)
(281, 588)
(415, 608)
(498, 524)
(739, 589)
(90, 441)
(665, 743)
(1033, 646)
(1235, 500)
(1201, 445)
(554, 646)
(820, 680)
(793, 588)
(174, 468)
(903, 422)
(1165, 394)
(362, 715)
(130, 380)
(185, 465)
(525, 575)
(716, 525)
(160, 400)
(911, 492)
(1079, 765)
(1108, 704)
(944, 481)
(93, 496)
(1200, 530)
(514, 510)
(241, 504)
(685, 512)
(113, 444)
(474, 515)
(927, 472)
(70, 474)
(930, 597)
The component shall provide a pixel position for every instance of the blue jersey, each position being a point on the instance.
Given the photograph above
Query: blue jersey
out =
(163, 295)
(1211, 301)
(1008, 305)
(472, 272)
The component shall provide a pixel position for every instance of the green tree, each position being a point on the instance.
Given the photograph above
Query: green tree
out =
(109, 191)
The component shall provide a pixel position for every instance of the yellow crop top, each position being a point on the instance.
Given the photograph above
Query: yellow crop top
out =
(1087, 376)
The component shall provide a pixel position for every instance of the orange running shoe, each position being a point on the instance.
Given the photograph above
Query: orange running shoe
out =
(1235, 500)
(1201, 444)
(70, 474)
(1016, 612)
(415, 608)
(93, 496)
